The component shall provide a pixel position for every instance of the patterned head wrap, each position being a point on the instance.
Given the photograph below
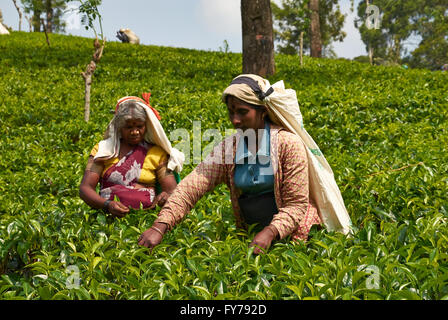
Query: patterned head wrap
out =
(110, 146)
(144, 102)
(250, 88)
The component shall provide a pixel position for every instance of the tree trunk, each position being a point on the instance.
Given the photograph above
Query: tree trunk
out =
(316, 40)
(49, 11)
(36, 21)
(87, 75)
(20, 14)
(369, 46)
(88, 84)
(258, 37)
(30, 23)
(397, 49)
(45, 30)
(301, 48)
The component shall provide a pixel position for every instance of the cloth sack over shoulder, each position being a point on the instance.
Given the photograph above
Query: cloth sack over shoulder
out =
(283, 109)
(110, 146)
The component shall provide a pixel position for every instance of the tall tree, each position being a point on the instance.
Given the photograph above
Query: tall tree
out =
(258, 37)
(316, 38)
(19, 13)
(372, 35)
(398, 20)
(294, 17)
(432, 26)
(53, 10)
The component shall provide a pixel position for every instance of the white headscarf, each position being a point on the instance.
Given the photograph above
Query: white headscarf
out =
(283, 109)
(110, 146)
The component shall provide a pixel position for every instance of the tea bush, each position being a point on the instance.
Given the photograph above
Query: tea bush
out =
(382, 129)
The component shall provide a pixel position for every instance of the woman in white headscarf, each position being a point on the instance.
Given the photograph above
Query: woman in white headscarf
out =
(277, 176)
(135, 164)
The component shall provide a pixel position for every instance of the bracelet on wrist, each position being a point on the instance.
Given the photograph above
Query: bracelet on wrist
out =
(106, 205)
(158, 230)
(273, 231)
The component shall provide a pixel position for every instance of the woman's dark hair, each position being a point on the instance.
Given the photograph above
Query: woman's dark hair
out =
(253, 106)
(256, 107)
(128, 110)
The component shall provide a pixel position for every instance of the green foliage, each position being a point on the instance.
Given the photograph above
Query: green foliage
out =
(432, 51)
(382, 129)
(89, 11)
(47, 8)
(293, 17)
(402, 21)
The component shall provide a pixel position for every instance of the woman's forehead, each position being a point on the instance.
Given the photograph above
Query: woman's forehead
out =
(234, 102)
(135, 121)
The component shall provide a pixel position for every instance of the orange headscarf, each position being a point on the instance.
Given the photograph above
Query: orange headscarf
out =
(145, 101)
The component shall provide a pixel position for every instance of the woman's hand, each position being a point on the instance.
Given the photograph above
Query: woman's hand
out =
(160, 200)
(152, 236)
(168, 184)
(117, 209)
(263, 239)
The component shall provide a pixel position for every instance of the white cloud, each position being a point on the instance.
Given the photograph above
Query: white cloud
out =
(352, 45)
(221, 16)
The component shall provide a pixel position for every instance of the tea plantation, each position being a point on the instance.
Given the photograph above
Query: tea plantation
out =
(384, 131)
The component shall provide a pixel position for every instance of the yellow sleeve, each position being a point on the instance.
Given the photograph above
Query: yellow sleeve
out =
(155, 157)
(94, 150)
(99, 167)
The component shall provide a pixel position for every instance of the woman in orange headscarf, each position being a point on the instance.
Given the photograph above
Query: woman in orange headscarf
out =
(133, 159)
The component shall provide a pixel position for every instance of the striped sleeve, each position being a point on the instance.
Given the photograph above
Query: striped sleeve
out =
(294, 186)
(204, 178)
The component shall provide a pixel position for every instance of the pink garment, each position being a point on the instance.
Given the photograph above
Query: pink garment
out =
(119, 180)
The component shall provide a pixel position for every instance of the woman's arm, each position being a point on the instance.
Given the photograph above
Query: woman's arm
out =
(263, 239)
(167, 182)
(294, 185)
(87, 192)
(204, 178)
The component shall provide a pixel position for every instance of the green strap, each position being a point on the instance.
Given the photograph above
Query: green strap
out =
(159, 187)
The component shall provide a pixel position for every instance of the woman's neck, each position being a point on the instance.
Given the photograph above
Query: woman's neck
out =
(259, 133)
(125, 148)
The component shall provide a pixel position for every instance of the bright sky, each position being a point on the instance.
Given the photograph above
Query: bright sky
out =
(195, 24)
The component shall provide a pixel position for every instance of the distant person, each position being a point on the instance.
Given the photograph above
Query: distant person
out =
(445, 67)
(275, 172)
(134, 160)
(3, 29)
(128, 36)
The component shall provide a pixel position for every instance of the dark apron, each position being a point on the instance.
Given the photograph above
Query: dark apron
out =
(259, 209)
